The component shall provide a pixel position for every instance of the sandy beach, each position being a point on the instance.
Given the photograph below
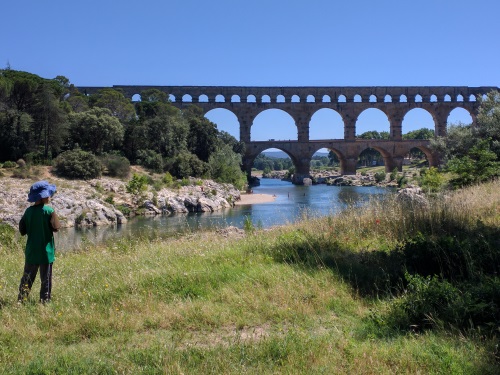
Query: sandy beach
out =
(254, 199)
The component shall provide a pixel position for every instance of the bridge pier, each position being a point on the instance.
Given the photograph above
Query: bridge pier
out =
(393, 162)
(348, 166)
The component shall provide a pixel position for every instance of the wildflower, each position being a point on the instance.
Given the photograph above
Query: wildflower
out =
(377, 221)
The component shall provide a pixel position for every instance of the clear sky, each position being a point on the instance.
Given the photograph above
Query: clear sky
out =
(260, 43)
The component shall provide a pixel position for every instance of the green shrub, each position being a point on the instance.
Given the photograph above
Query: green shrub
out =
(431, 180)
(116, 166)
(151, 160)
(77, 164)
(124, 209)
(9, 164)
(379, 176)
(394, 174)
(167, 179)
(137, 184)
(23, 172)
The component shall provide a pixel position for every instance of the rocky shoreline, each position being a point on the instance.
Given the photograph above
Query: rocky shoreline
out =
(335, 179)
(97, 202)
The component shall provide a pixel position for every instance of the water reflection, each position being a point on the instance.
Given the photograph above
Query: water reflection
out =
(291, 203)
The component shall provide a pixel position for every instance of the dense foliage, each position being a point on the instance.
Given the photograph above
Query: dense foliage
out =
(472, 153)
(42, 118)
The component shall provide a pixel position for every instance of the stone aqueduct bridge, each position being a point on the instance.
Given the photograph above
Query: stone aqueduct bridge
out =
(302, 102)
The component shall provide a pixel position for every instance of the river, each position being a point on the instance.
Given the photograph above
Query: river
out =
(291, 203)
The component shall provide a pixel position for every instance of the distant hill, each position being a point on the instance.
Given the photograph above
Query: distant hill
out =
(283, 155)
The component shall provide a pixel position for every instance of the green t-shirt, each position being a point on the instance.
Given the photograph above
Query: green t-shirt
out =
(40, 246)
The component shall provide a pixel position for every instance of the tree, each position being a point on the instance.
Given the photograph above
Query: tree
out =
(202, 138)
(96, 130)
(115, 101)
(488, 121)
(186, 164)
(373, 134)
(225, 166)
(423, 133)
(154, 103)
(477, 166)
(50, 121)
(15, 133)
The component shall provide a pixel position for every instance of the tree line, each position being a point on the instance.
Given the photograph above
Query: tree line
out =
(48, 121)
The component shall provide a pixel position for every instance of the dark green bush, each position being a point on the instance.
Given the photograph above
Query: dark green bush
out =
(151, 160)
(77, 164)
(379, 176)
(116, 166)
(9, 164)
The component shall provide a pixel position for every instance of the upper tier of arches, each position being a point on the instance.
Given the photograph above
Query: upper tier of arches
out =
(251, 94)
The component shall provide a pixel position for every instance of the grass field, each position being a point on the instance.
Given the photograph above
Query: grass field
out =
(325, 296)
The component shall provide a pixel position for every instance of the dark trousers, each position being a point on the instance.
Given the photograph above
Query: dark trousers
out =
(29, 275)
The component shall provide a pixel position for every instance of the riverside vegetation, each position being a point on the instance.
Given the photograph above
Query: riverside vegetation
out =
(385, 288)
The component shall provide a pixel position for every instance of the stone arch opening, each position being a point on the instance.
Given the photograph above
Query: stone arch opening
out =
(472, 98)
(271, 161)
(280, 99)
(235, 99)
(203, 98)
(273, 124)
(310, 99)
(418, 123)
(171, 97)
(357, 98)
(403, 99)
(220, 99)
(326, 124)
(251, 99)
(460, 98)
(342, 99)
(433, 99)
(136, 98)
(418, 98)
(336, 157)
(388, 99)
(417, 157)
(447, 98)
(225, 121)
(327, 99)
(295, 99)
(265, 99)
(461, 116)
(370, 157)
(373, 99)
(372, 120)
(187, 98)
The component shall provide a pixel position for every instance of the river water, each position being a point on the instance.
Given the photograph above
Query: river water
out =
(291, 203)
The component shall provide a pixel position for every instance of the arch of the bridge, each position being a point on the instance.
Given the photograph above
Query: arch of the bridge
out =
(302, 113)
(301, 153)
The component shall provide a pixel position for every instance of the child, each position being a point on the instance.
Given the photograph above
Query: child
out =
(39, 222)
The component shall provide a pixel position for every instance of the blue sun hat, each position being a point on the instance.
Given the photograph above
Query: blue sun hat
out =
(41, 189)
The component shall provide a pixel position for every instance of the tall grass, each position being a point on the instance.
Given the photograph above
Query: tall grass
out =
(326, 295)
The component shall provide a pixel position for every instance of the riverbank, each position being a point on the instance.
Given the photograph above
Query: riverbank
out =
(252, 198)
(320, 296)
(106, 201)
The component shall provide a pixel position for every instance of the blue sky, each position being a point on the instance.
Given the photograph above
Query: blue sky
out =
(268, 43)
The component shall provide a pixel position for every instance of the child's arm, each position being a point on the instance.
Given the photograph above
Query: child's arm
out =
(54, 222)
(22, 227)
